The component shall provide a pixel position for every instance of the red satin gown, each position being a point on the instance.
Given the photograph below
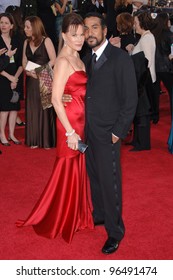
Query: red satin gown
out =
(64, 206)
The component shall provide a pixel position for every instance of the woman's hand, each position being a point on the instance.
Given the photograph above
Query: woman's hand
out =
(12, 78)
(130, 48)
(13, 85)
(72, 141)
(31, 74)
(2, 51)
(115, 41)
(10, 52)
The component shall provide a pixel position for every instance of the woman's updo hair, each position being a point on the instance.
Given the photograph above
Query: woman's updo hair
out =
(71, 19)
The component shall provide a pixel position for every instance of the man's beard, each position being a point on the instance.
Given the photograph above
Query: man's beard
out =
(95, 42)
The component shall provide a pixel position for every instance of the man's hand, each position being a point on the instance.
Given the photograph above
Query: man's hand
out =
(66, 98)
(115, 139)
(171, 56)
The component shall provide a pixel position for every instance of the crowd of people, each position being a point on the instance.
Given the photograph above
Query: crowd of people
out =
(117, 46)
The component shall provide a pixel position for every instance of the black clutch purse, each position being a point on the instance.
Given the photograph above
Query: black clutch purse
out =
(82, 146)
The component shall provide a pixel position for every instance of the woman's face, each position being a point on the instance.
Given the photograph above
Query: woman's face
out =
(5, 25)
(137, 25)
(28, 28)
(74, 38)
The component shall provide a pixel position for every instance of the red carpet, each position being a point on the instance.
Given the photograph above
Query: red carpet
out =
(147, 203)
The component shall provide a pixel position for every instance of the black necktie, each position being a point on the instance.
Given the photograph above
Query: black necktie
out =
(93, 61)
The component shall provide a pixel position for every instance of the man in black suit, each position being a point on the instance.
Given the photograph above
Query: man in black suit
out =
(111, 100)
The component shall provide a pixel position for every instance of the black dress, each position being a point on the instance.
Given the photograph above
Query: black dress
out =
(40, 124)
(10, 66)
(127, 39)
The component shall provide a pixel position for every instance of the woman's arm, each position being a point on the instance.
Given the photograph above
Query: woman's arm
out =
(148, 47)
(51, 51)
(18, 73)
(60, 9)
(61, 75)
(4, 61)
(24, 58)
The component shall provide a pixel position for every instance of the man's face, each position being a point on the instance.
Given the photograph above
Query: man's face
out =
(95, 35)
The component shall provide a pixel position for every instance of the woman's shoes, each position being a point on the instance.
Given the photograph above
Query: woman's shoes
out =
(20, 124)
(17, 142)
(5, 143)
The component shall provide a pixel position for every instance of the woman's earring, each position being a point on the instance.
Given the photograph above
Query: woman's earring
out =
(65, 44)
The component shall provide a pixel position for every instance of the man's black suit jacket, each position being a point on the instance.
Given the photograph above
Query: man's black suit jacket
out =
(111, 95)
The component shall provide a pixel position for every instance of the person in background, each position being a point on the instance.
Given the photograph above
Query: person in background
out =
(164, 71)
(62, 7)
(9, 77)
(16, 12)
(137, 5)
(38, 48)
(146, 44)
(110, 16)
(64, 206)
(5, 3)
(125, 24)
(170, 138)
(46, 14)
(29, 8)
(4, 60)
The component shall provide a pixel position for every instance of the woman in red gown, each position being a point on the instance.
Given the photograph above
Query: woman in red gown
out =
(64, 206)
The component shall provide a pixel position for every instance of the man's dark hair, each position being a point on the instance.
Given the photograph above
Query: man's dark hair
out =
(95, 14)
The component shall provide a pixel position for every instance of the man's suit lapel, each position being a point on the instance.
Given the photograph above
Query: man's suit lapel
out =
(103, 58)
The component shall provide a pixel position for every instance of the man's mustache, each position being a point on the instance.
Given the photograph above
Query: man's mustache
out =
(91, 37)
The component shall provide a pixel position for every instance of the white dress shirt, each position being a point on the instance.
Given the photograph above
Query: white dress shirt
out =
(100, 50)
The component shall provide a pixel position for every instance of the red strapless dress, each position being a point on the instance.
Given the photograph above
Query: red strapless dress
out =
(64, 206)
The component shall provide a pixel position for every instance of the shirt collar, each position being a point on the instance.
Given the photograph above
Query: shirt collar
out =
(100, 50)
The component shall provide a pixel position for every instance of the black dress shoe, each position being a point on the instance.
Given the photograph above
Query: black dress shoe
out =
(111, 245)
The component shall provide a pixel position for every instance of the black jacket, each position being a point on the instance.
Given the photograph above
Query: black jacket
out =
(111, 96)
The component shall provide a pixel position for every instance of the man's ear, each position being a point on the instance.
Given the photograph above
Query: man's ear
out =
(105, 31)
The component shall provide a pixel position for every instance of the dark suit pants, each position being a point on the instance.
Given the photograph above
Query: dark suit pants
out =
(103, 166)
